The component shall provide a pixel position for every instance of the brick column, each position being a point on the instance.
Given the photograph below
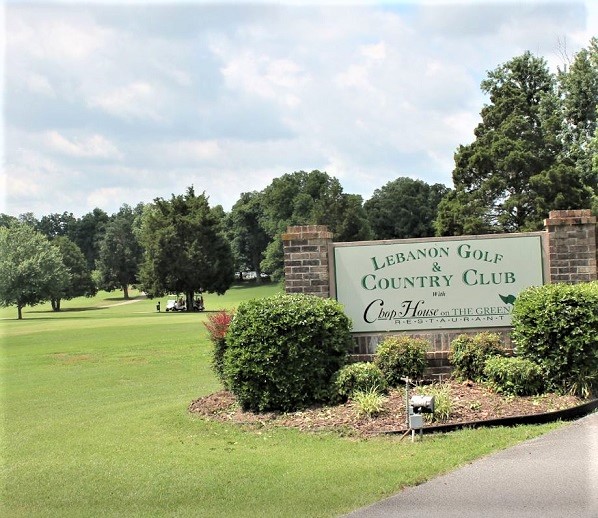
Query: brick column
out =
(306, 260)
(572, 246)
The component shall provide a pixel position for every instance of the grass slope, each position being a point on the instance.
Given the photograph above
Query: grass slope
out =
(95, 423)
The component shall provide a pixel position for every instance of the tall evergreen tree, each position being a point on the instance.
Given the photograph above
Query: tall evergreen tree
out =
(512, 174)
(578, 90)
(185, 249)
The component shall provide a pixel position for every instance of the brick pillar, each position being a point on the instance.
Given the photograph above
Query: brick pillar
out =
(572, 246)
(306, 260)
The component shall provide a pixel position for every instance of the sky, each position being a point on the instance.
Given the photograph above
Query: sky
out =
(111, 103)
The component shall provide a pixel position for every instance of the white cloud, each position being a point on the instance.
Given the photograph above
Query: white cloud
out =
(107, 104)
(136, 100)
(193, 151)
(263, 76)
(39, 84)
(94, 146)
(376, 51)
(40, 35)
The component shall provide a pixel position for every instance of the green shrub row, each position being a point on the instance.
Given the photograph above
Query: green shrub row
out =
(290, 351)
(555, 331)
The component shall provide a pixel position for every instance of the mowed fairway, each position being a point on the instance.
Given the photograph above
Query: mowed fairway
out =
(95, 423)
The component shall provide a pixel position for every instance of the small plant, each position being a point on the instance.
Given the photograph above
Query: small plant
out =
(443, 404)
(369, 402)
(468, 354)
(476, 406)
(358, 376)
(217, 326)
(514, 376)
(401, 357)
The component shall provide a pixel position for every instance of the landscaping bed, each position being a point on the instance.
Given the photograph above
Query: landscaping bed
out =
(471, 402)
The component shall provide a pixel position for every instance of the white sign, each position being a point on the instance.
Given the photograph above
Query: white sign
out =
(435, 284)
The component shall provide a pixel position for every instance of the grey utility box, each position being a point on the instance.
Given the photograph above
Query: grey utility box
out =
(422, 404)
(416, 421)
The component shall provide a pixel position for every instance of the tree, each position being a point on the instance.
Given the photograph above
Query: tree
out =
(459, 214)
(88, 234)
(578, 91)
(353, 223)
(79, 281)
(594, 154)
(28, 218)
(313, 198)
(120, 252)
(404, 208)
(512, 174)
(185, 250)
(54, 225)
(249, 239)
(6, 220)
(31, 269)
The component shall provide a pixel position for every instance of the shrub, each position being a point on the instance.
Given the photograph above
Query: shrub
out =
(400, 357)
(369, 402)
(217, 326)
(358, 376)
(443, 404)
(468, 354)
(556, 326)
(283, 351)
(514, 376)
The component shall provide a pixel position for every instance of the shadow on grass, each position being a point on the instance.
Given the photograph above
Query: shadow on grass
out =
(67, 310)
(248, 284)
(122, 299)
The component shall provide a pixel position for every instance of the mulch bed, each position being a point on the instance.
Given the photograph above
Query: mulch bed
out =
(470, 402)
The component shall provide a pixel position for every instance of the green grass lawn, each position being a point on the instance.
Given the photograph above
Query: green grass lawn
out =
(95, 423)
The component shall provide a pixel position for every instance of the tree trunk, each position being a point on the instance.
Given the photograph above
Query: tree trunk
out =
(20, 312)
(126, 291)
(55, 304)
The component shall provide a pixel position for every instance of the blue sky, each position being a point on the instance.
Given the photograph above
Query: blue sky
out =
(107, 104)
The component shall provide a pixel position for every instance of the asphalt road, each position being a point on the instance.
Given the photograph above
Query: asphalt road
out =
(555, 475)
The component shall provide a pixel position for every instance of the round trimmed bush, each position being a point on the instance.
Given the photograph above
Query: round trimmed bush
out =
(468, 354)
(556, 326)
(401, 357)
(360, 376)
(283, 351)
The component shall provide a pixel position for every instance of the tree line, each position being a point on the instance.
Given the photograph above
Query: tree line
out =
(535, 150)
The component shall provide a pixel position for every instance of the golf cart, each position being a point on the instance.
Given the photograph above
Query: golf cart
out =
(176, 305)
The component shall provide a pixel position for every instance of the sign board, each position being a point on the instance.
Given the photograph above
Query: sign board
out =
(431, 284)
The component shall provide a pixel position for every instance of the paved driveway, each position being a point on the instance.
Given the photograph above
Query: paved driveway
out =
(555, 475)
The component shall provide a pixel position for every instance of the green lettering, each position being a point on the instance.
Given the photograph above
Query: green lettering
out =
(364, 281)
(376, 267)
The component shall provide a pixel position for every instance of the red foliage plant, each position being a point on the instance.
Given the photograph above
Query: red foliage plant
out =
(217, 324)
